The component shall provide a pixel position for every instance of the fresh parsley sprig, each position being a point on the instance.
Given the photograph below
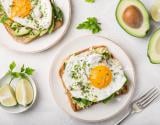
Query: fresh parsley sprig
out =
(90, 1)
(24, 71)
(90, 24)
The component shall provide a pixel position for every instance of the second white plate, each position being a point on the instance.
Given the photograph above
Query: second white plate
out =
(100, 111)
(43, 43)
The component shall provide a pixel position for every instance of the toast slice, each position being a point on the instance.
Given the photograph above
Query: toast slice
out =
(34, 34)
(75, 106)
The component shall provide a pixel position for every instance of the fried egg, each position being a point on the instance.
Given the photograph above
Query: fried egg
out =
(93, 77)
(36, 14)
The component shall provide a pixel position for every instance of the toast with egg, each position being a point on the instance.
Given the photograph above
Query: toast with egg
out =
(26, 32)
(78, 103)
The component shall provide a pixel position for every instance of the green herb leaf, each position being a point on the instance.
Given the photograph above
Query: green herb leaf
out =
(106, 55)
(109, 98)
(90, 24)
(127, 79)
(90, 1)
(83, 103)
(29, 71)
(58, 13)
(3, 19)
(12, 66)
(15, 74)
(22, 68)
(21, 74)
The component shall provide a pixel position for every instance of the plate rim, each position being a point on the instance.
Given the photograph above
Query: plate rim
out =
(51, 45)
(73, 116)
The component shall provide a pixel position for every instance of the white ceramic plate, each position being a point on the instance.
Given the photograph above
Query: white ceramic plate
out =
(44, 42)
(100, 111)
(18, 108)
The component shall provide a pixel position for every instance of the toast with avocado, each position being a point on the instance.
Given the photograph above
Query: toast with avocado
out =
(77, 101)
(24, 33)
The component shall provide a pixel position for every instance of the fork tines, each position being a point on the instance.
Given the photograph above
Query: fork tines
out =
(148, 97)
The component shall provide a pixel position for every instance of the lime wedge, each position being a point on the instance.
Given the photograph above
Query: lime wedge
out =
(24, 92)
(7, 96)
(155, 11)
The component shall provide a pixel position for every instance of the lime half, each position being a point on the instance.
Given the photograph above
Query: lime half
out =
(24, 92)
(7, 96)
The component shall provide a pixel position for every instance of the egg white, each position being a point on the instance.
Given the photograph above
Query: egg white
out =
(39, 18)
(91, 93)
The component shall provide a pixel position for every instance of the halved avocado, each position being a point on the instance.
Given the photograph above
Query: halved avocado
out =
(133, 17)
(154, 48)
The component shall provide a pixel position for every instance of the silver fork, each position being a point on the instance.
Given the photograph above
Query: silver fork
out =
(141, 103)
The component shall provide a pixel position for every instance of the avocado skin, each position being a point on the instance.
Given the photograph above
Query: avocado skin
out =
(148, 52)
(151, 60)
(126, 29)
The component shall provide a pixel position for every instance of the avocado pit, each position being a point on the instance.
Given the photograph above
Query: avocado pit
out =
(132, 16)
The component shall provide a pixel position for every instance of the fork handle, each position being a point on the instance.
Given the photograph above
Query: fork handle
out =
(124, 118)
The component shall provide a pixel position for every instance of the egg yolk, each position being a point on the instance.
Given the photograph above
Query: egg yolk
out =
(100, 76)
(20, 8)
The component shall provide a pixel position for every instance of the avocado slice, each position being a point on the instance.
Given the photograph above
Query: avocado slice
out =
(154, 48)
(51, 28)
(33, 34)
(21, 31)
(43, 32)
(15, 25)
(133, 17)
(57, 17)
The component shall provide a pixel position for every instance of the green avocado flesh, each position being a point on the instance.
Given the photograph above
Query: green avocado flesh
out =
(133, 17)
(19, 30)
(22, 31)
(154, 48)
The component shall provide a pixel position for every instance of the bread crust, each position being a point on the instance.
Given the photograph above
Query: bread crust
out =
(26, 39)
(74, 106)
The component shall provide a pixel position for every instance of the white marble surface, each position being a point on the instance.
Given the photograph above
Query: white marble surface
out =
(45, 111)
